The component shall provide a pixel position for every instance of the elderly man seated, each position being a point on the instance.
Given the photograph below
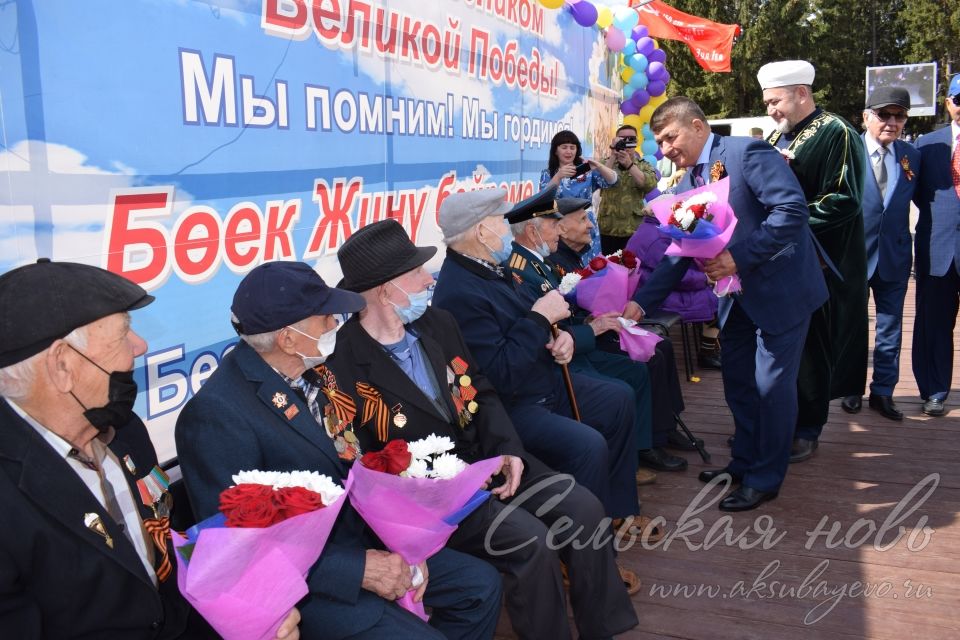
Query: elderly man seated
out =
(84, 550)
(264, 409)
(512, 343)
(415, 358)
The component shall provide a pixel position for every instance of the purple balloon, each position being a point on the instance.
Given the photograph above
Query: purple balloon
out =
(656, 70)
(639, 31)
(657, 55)
(666, 77)
(584, 13)
(658, 155)
(640, 98)
(656, 88)
(645, 46)
(629, 108)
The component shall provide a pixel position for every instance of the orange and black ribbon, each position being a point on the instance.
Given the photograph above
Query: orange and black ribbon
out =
(374, 407)
(159, 530)
(342, 404)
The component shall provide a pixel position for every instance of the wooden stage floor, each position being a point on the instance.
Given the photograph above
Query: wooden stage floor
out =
(871, 481)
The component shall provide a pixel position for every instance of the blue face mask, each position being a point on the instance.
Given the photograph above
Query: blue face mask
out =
(543, 248)
(416, 307)
(506, 246)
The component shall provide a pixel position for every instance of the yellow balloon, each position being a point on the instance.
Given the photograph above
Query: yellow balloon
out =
(656, 101)
(634, 121)
(656, 45)
(552, 4)
(604, 17)
(645, 114)
(626, 74)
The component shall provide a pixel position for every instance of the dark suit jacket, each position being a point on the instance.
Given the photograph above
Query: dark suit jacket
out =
(59, 579)
(490, 432)
(938, 226)
(233, 424)
(887, 228)
(772, 245)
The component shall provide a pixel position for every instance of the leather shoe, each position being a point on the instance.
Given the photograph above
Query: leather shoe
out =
(709, 474)
(886, 407)
(744, 498)
(660, 460)
(645, 476)
(677, 440)
(852, 404)
(802, 449)
(709, 360)
(933, 407)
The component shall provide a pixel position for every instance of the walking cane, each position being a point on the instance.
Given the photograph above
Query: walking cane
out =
(574, 409)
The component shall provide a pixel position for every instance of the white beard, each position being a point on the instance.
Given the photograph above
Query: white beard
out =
(784, 126)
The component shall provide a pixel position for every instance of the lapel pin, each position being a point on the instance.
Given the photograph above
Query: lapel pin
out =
(279, 400)
(128, 462)
(291, 412)
(93, 522)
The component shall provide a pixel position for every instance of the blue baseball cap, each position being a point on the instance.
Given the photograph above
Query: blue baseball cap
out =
(278, 294)
(954, 86)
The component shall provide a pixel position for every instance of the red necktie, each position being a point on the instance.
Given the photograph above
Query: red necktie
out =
(955, 166)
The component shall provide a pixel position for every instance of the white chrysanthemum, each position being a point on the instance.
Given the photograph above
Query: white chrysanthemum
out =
(568, 282)
(439, 444)
(418, 469)
(255, 476)
(447, 466)
(318, 483)
(686, 219)
(420, 449)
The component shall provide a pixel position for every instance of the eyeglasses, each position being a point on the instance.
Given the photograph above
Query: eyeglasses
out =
(956, 100)
(886, 115)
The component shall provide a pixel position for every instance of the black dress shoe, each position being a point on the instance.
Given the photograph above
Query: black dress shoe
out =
(660, 460)
(677, 440)
(802, 449)
(886, 407)
(745, 498)
(709, 360)
(852, 404)
(933, 407)
(710, 474)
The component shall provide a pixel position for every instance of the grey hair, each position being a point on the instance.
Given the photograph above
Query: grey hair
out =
(16, 380)
(517, 228)
(458, 238)
(263, 342)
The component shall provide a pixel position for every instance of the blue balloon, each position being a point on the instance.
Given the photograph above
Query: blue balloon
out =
(649, 147)
(638, 81)
(625, 19)
(638, 62)
(650, 157)
(658, 55)
(629, 49)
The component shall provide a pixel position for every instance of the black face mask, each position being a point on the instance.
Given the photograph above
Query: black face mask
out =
(122, 394)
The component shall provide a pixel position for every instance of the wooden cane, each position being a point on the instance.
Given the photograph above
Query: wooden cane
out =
(574, 409)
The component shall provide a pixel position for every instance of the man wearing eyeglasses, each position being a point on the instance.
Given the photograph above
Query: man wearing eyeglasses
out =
(938, 257)
(892, 172)
(827, 156)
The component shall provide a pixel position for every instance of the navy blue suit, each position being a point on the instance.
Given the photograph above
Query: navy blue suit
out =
(508, 341)
(937, 266)
(763, 327)
(886, 226)
(233, 424)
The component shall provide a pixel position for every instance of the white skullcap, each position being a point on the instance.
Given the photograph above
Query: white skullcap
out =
(785, 73)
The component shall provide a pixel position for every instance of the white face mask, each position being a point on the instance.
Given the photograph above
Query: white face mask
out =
(326, 343)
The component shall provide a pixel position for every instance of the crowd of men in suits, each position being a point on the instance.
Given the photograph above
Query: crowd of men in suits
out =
(489, 364)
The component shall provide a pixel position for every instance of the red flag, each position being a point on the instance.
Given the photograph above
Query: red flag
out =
(709, 42)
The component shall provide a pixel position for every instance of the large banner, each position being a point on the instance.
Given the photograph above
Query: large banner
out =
(182, 143)
(710, 42)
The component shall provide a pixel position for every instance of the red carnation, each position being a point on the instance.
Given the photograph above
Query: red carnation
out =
(698, 210)
(249, 505)
(294, 501)
(629, 259)
(598, 263)
(393, 458)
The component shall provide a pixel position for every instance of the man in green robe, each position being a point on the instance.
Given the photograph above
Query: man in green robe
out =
(827, 156)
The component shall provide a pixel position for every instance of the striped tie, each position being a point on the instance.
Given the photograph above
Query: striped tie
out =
(955, 166)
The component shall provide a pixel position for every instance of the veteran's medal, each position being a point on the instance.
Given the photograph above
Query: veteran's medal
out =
(399, 420)
(93, 522)
(472, 406)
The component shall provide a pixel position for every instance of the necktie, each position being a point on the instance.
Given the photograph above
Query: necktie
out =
(955, 166)
(698, 180)
(880, 171)
(109, 495)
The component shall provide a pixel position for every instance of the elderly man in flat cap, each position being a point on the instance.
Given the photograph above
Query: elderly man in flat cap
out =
(84, 550)
(893, 166)
(414, 356)
(513, 345)
(827, 156)
(266, 407)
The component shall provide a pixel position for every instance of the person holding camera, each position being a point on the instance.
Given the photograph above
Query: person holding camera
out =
(575, 177)
(622, 206)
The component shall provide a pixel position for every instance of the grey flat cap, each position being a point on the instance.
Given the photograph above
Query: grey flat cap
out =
(460, 211)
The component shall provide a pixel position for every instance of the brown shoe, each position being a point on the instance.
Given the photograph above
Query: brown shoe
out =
(645, 476)
(641, 527)
(630, 580)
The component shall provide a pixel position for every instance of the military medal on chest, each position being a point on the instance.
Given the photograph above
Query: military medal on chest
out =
(462, 391)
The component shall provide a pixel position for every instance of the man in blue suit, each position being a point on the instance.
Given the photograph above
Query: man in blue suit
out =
(938, 257)
(266, 408)
(893, 166)
(763, 327)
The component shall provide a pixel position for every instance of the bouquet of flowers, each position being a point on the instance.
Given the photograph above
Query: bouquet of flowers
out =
(700, 223)
(414, 495)
(244, 568)
(606, 285)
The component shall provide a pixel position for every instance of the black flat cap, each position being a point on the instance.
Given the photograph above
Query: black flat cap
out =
(539, 205)
(887, 96)
(566, 206)
(378, 253)
(43, 302)
(278, 294)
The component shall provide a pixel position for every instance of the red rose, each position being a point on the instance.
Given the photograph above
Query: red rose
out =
(615, 259)
(629, 259)
(698, 210)
(293, 501)
(393, 458)
(598, 263)
(249, 505)
(585, 272)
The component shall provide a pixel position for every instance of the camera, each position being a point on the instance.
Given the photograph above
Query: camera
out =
(622, 144)
(581, 169)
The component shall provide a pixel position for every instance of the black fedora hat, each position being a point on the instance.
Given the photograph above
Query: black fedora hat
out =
(378, 253)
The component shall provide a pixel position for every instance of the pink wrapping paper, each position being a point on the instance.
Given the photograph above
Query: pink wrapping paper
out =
(724, 219)
(607, 290)
(638, 343)
(407, 514)
(244, 581)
